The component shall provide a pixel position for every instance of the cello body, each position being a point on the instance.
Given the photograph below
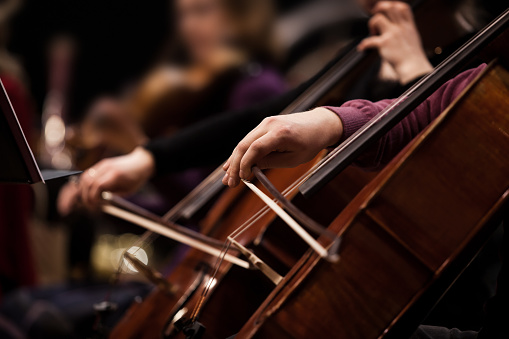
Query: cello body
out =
(408, 234)
(233, 301)
(221, 315)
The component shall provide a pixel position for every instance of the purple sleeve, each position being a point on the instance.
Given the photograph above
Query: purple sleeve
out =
(255, 89)
(354, 114)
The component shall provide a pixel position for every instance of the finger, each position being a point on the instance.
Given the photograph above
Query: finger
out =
(403, 11)
(109, 181)
(384, 8)
(379, 24)
(373, 42)
(86, 194)
(88, 179)
(226, 165)
(241, 149)
(396, 11)
(83, 186)
(226, 174)
(233, 170)
(225, 179)
(270, 142)
(95, 192)
(113, 182)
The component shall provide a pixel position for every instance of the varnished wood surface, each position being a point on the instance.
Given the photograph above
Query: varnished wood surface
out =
(406, 228)
(223, 315)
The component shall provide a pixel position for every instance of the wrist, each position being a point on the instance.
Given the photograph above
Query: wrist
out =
(145, 159)
(413, 68)
(332, 125)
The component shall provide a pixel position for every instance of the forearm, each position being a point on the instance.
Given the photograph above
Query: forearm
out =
(203, 144)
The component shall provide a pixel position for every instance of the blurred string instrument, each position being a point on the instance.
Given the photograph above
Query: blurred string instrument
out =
(277, 249)
(166, 100)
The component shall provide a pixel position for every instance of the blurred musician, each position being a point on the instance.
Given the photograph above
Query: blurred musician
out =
(222, 58)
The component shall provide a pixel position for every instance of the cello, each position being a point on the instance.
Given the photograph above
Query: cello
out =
(248, 208)
(413, 229)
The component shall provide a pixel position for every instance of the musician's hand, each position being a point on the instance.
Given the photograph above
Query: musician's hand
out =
(120, 175)
(397, 39)
(283, 141)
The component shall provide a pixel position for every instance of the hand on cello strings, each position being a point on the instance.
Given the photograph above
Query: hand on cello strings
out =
(283, 141)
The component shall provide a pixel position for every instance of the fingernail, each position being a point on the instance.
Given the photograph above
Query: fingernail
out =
(231, 182)
(225, 166)
(241, 174)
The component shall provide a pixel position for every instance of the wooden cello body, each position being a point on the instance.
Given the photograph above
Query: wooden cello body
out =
(222, 315)
(409, 232)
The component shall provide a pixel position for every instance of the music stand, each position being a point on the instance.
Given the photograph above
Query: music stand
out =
(17, 164)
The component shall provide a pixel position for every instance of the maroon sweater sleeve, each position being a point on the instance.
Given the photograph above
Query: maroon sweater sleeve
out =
(354, 114)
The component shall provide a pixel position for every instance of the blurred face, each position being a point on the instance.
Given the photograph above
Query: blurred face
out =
(202, 25)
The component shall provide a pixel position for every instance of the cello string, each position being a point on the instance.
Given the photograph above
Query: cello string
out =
(219, 261)
(288, 191)
(221, 258)
(208, 182)
(309, 223)
(288, 220)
